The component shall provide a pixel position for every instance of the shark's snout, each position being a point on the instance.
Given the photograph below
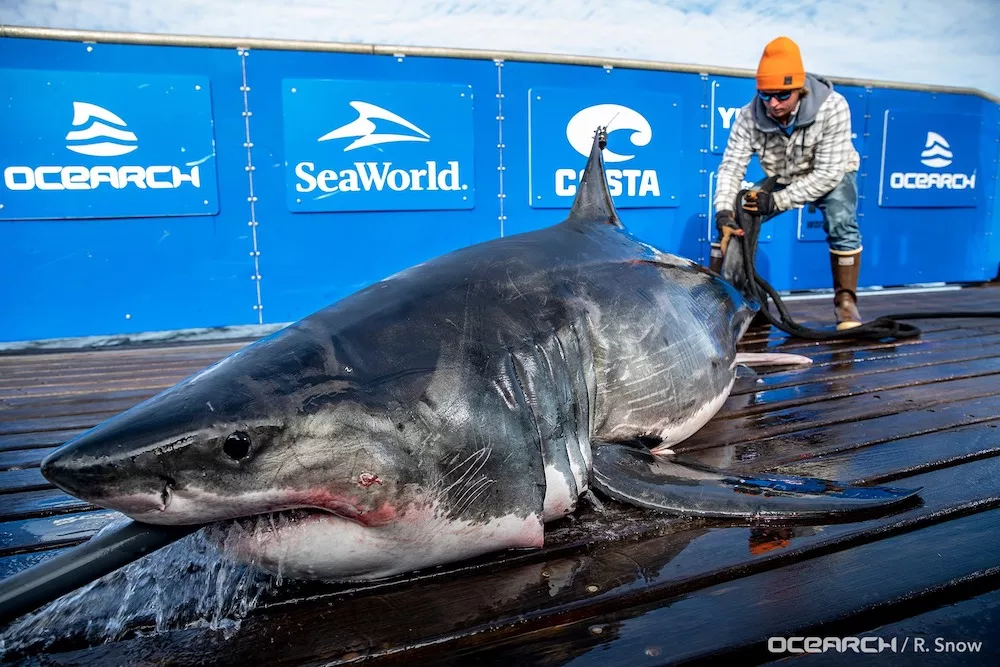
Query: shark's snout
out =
(89, 468)
(65, 469)
(101, 483)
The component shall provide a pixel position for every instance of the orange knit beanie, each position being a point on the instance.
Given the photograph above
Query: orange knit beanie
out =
(780, 67)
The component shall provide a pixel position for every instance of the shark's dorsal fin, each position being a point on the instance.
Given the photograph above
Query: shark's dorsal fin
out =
(593, 203)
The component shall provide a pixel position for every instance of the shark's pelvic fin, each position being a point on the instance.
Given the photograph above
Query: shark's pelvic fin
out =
(633, 475)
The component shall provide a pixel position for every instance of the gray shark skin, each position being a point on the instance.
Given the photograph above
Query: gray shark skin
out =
(454, 408)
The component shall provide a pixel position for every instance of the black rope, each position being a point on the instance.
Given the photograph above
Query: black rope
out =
(886, 326)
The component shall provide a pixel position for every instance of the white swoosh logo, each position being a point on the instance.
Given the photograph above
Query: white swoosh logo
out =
(364, 129)
(84, 112)
(581, 127)
(936, 154)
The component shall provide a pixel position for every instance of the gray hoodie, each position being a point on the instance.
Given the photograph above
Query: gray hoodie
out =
(819, 89)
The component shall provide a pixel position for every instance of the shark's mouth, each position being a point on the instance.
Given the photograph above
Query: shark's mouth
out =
(311, 543)
(191, 505)
(276, 520)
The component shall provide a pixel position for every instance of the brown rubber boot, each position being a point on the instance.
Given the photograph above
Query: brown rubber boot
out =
(715, 258)
(845, 265)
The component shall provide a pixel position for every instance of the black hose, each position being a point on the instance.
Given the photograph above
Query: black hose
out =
(886, 326)
(107, 551)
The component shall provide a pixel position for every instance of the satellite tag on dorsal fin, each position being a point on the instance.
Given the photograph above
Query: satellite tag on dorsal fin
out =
(593, 203)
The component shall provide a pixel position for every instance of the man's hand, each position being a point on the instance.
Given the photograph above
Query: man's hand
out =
(725, 222)
(725, 219)
(758, 202)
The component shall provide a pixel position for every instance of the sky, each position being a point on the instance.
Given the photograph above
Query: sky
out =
(915, 41)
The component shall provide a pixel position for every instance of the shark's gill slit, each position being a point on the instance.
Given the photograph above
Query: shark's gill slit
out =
(166, 495)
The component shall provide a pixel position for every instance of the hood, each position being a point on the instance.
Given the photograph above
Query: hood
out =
(819, 89)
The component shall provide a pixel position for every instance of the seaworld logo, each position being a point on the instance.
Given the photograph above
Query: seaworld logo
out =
(580, 133)
(377, 176)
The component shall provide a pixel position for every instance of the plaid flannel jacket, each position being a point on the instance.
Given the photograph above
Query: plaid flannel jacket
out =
(811, 162)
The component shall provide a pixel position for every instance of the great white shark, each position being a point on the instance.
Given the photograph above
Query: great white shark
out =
(454, 408)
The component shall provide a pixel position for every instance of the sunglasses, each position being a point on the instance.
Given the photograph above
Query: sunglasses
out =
(781, 96)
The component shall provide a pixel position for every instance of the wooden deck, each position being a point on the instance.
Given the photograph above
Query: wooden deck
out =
(614, 585)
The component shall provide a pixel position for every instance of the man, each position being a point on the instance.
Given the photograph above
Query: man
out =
(801, 129)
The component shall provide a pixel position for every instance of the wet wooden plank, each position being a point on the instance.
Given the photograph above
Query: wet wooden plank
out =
(845, 409)
(863, 363)
(139, 351)
(26, 504)
(89, 406)
(131, 382)
(780, 342)
(11, 565)
(768, 400)
(22, 480)
(42, 377)
(888, 461)
(809, 442)
(70, 402)
(815, 597)
(95, 379)
(542, 593)
(28, 535)
(36, 440)
(940, 629)
(20, 459)
(42, 424)
(107, 365)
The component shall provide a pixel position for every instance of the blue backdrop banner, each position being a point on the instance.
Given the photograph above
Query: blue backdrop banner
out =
(150, 187)
(101, 145)
(642, 155)
(378, 146)
(929, 159)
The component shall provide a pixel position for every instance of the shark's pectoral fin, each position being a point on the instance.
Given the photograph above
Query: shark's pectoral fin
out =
(763, 359)
(631, 474)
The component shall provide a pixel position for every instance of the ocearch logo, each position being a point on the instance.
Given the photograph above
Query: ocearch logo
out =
(580, 134)
(937, 154)
(84, 112)
(93, 140)
(368, 176)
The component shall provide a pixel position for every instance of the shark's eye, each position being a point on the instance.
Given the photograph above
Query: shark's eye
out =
(237, 446)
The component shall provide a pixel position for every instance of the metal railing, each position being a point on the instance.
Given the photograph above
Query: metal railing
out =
(205, 41)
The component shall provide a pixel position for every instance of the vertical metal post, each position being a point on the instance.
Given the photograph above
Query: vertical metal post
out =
(252, 195)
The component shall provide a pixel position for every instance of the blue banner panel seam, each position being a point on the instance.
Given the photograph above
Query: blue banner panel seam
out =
(865, 157)
(501, 195)
(704, 191)
(251, 195)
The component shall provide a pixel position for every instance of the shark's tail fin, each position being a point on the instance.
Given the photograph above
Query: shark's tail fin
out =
(636, 476)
